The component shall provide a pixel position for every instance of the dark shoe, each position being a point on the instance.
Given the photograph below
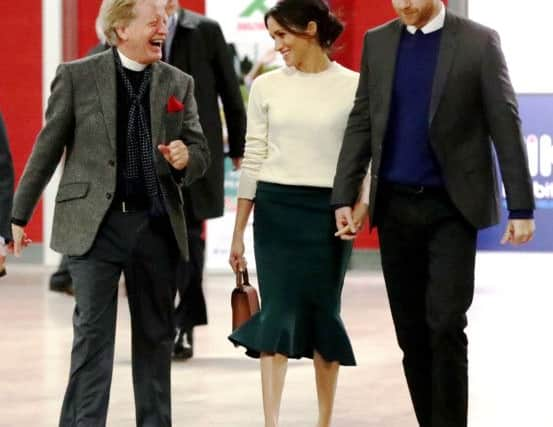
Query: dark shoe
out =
(183, 348)
(61, 283)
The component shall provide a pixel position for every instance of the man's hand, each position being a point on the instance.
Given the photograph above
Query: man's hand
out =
(519, 231)
(360, 214)
(176, 154)
(19, 241)
(344, 224)
(236, 163)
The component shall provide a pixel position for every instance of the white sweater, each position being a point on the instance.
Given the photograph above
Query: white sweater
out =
(296, 123)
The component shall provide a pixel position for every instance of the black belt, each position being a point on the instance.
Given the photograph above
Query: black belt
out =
(413, 190)
(129, 206)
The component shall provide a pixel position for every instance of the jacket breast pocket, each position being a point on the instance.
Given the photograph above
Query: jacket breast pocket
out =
(75, 190)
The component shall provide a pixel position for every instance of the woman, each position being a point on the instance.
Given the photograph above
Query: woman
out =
(296, 120)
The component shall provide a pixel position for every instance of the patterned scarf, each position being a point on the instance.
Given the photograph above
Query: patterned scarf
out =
(140, 156)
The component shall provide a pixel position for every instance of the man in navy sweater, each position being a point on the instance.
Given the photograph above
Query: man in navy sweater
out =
(434, 100)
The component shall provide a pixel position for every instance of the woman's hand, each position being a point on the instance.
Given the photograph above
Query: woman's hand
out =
(237, 260)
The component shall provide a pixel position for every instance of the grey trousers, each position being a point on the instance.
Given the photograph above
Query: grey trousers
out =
(146, 251)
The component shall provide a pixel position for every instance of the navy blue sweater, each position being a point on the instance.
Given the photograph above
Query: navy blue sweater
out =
(408, 157)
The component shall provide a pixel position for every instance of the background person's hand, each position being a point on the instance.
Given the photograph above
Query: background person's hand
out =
(175, 153)
(519, 231)
(236, 163)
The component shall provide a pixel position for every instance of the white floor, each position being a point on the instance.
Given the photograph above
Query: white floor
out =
(511, 354)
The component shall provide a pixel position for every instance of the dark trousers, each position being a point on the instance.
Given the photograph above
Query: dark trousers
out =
(146, 251)
(428, 253)
(191, 308)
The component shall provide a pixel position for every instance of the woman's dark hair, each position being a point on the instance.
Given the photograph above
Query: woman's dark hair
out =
(295, 15)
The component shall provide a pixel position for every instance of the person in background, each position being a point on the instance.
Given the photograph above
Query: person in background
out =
(6, 195)
(433, 95)
(196, 45)
(119, 204)
(296, 121)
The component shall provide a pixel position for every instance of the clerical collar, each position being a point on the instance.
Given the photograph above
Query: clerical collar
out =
(437, 23)
(129, 63)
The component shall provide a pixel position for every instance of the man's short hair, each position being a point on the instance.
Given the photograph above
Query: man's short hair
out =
(114, 13)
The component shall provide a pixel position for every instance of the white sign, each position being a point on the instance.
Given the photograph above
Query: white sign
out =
(525, 39)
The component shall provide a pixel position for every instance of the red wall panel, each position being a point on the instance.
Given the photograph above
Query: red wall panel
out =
(21, 85)
(358, 16)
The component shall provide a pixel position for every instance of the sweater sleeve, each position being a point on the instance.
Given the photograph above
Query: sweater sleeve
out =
(256, 143)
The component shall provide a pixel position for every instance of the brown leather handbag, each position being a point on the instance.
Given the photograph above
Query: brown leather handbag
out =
(244, 300)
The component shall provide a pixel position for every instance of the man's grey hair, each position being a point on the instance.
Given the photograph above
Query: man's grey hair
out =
(115, 13)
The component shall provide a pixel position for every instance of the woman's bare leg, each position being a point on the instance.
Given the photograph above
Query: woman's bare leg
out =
(273, 373)
(326, 375)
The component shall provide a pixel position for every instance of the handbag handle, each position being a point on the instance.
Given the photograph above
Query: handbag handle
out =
(242, 279)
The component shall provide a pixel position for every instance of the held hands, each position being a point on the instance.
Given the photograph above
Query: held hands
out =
(175, 153)
(519, 231)
(349, 221)
(236, 259)
(19, 242)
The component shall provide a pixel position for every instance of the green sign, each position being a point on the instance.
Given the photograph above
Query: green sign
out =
(255, 6)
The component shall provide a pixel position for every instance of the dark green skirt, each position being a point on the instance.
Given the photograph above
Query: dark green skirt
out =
(300, 269)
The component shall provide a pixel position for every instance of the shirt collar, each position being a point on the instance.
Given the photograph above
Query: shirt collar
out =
(129, 63)
(437, 23)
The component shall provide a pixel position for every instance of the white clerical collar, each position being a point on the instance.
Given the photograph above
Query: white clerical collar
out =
(129, 63)
(433, 25)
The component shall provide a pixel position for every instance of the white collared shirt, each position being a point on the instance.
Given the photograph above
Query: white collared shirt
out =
(129, 63)
(435, 24)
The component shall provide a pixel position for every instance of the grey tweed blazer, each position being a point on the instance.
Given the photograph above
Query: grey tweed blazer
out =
(81, 121)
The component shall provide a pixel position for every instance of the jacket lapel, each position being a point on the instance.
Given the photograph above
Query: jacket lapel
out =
(387, 67)
(446, 55)
(107, 93)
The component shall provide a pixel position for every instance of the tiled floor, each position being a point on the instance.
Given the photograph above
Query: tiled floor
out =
(511, 352)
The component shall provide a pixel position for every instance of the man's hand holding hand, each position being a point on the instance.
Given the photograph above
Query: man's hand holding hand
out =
(176, 154)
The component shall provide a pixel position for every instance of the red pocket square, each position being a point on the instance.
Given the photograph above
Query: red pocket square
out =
(174, 105)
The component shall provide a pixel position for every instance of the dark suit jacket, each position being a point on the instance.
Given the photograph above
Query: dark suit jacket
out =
(81, 120)
(200, 50)
(473, 107)
(6, 183)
